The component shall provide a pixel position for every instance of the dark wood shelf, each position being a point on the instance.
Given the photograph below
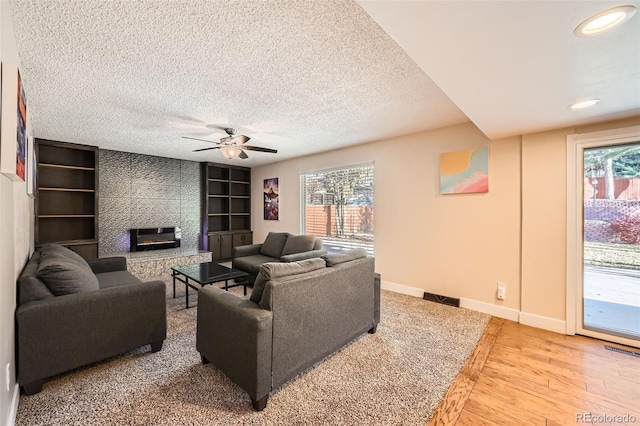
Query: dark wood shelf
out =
(226, 208)
(66, 203)
(53, 216)
(76, 242)
(42, 188)
(61, 166)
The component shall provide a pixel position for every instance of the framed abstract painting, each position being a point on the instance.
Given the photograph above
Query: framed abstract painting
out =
(271, 192)
(13, 154)
(464, 172)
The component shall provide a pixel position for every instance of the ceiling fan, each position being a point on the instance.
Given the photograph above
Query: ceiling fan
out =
(232, 146)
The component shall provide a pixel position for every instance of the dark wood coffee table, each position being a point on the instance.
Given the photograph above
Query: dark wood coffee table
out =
(206, 273)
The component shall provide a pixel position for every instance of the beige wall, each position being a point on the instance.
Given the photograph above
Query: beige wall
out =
(459, 245)
(16, 223)
(453, 245)
(544, 216)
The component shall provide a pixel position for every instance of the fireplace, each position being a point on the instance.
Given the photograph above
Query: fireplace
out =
(154, 238)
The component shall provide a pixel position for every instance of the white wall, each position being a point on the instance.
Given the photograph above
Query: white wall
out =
(16, 242)
(453, 245)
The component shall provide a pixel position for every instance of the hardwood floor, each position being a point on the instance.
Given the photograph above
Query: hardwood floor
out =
(520, 375)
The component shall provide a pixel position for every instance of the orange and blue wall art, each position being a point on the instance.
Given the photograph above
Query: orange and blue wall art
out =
(464, 172)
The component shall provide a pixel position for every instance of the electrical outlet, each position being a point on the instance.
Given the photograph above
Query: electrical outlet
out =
(8, 376)
(502, 290)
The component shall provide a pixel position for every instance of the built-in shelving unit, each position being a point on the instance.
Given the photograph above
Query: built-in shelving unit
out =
(67, 196)
(226, 208)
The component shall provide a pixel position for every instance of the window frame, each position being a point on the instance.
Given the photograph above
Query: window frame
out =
(303, 198)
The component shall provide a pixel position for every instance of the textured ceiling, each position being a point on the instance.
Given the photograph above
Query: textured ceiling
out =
(297, 76)
(308, 76)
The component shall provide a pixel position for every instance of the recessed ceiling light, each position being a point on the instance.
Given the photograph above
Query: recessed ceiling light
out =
(584, 104)
(604, 21)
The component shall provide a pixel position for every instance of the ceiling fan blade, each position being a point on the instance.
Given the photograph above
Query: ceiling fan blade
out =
(196, 139)
(259, 148)
(243, 155)
(239, 140)
(206, 149)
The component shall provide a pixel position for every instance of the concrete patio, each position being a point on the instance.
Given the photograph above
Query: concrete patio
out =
(612, 300)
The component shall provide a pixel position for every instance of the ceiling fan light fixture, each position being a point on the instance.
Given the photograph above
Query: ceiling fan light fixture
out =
(604, 21)
(584, 104)
(230, 152)
(232, 146)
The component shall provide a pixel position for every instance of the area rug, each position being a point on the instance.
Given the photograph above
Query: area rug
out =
(397, 376)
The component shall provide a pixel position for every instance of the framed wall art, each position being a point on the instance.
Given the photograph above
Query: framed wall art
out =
(271, 192)
(13, 151)
(465, 172)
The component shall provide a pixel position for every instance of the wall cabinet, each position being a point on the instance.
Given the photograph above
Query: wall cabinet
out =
(226, 208)
(220, 245)
(242, 238)
(66, 202)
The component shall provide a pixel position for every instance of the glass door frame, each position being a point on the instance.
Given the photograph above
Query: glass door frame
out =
(576, 145)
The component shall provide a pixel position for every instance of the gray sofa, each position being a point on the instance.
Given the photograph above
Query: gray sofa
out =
(298, 314)
(277, 247)
(72, 313)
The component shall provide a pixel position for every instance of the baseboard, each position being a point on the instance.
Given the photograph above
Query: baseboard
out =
(474, 305)
(488, 308)
(13, 410)
(546, 323)
(402, 289)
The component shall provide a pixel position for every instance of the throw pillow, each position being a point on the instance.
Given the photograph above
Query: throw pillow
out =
(298, 244)
(333, 259)
(273, 244)
(258, 285)
(64, 275)
(65, 252)
(30, 288)
(276, 269)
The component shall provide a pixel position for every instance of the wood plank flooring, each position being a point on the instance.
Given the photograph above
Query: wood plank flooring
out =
(520, 375)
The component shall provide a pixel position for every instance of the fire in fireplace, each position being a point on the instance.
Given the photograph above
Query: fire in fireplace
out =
(154, 238)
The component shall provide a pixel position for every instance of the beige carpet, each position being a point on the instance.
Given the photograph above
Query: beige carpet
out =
(397, 376)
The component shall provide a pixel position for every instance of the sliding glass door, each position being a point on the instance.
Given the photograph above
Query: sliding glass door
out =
(611, 246)
(603, 235)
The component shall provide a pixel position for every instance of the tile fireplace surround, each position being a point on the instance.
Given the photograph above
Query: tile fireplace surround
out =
(142, 191)
(146, 265)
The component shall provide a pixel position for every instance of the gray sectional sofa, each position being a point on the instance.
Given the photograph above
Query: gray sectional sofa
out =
(298, 314)
(277, 247)
(72, 313)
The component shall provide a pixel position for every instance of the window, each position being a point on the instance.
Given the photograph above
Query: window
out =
(337, 205)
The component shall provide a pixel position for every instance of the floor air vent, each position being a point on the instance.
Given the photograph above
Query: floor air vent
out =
(441, 299)
(622, 351)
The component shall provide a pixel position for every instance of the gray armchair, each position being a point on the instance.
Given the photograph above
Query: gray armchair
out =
(69, 317)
